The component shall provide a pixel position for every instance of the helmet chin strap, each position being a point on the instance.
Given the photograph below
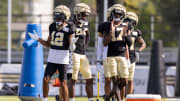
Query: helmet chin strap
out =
(60, 25)
(117, 19)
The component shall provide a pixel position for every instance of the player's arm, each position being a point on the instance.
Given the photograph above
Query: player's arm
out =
(108, 37)
(70, 38)
(127, 52)
(99, 47)
(128, 40)
(87, 38)
(99, 52)
(45, 43)
(143, 44)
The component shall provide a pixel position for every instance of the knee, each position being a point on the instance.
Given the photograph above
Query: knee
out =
(72, 82)
(89, 82)
(130, 82)
(63, 83)
(122, 83)
(108, 82)
(46, 79)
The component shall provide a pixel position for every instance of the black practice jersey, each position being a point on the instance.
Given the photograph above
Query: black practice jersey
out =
(60, 38)
(117, 45)
(82, 33)
(135, 36)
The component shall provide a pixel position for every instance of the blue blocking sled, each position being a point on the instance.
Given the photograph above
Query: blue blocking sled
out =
(32, 72)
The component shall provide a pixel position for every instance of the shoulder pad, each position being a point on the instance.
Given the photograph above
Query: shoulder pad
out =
(139, 32)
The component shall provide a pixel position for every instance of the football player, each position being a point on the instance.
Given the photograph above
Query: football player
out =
(102, 56)
(80, 61)
(69, 77)
(136, 37)
(115, 37)
(59, 39)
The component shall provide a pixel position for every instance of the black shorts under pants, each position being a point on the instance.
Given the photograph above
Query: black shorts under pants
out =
(52, 67)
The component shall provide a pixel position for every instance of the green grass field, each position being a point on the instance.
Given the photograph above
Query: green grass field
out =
(15, 98)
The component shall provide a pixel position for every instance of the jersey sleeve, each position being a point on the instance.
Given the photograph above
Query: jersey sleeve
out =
(139, 34)
(72, 29)
(51, 28)
(100, 28)
(128, 40)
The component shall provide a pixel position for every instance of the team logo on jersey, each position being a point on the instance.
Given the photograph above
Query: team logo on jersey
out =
(80, 31)
(134, 33)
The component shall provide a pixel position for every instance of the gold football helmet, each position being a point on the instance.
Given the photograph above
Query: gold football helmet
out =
(109, 12)
(81, 12)
(82, 8)
(132, 16)
(116, 12)
(62, 10)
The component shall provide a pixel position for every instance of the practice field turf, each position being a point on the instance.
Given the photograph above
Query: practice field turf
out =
(15, 98)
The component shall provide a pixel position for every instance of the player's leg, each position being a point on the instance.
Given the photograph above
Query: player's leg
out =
(63, 77)
(69, 78)
(123, 75)
(130, 87)
(107, 85)
(85, 70)
(130, 78)
(107, 74)
(49, 71)
(72, 90)
(60, 97)
(89, 88)
(112, 64)
(123, 83)
(76, 65)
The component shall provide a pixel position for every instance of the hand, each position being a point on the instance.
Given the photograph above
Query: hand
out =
(72, 45)
(74, 40)
(34, 36)
(99, 67)
(137, 56)
(112, 26)
(128, 63)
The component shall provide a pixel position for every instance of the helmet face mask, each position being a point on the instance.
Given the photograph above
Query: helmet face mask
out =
(60, 17)
(131, 23)
(132, 20)
(82, 16)
(117, 15)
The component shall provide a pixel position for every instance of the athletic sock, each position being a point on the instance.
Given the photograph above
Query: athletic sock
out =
(71, 99)
(90, 99)
(113, 99)
(45, 99)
